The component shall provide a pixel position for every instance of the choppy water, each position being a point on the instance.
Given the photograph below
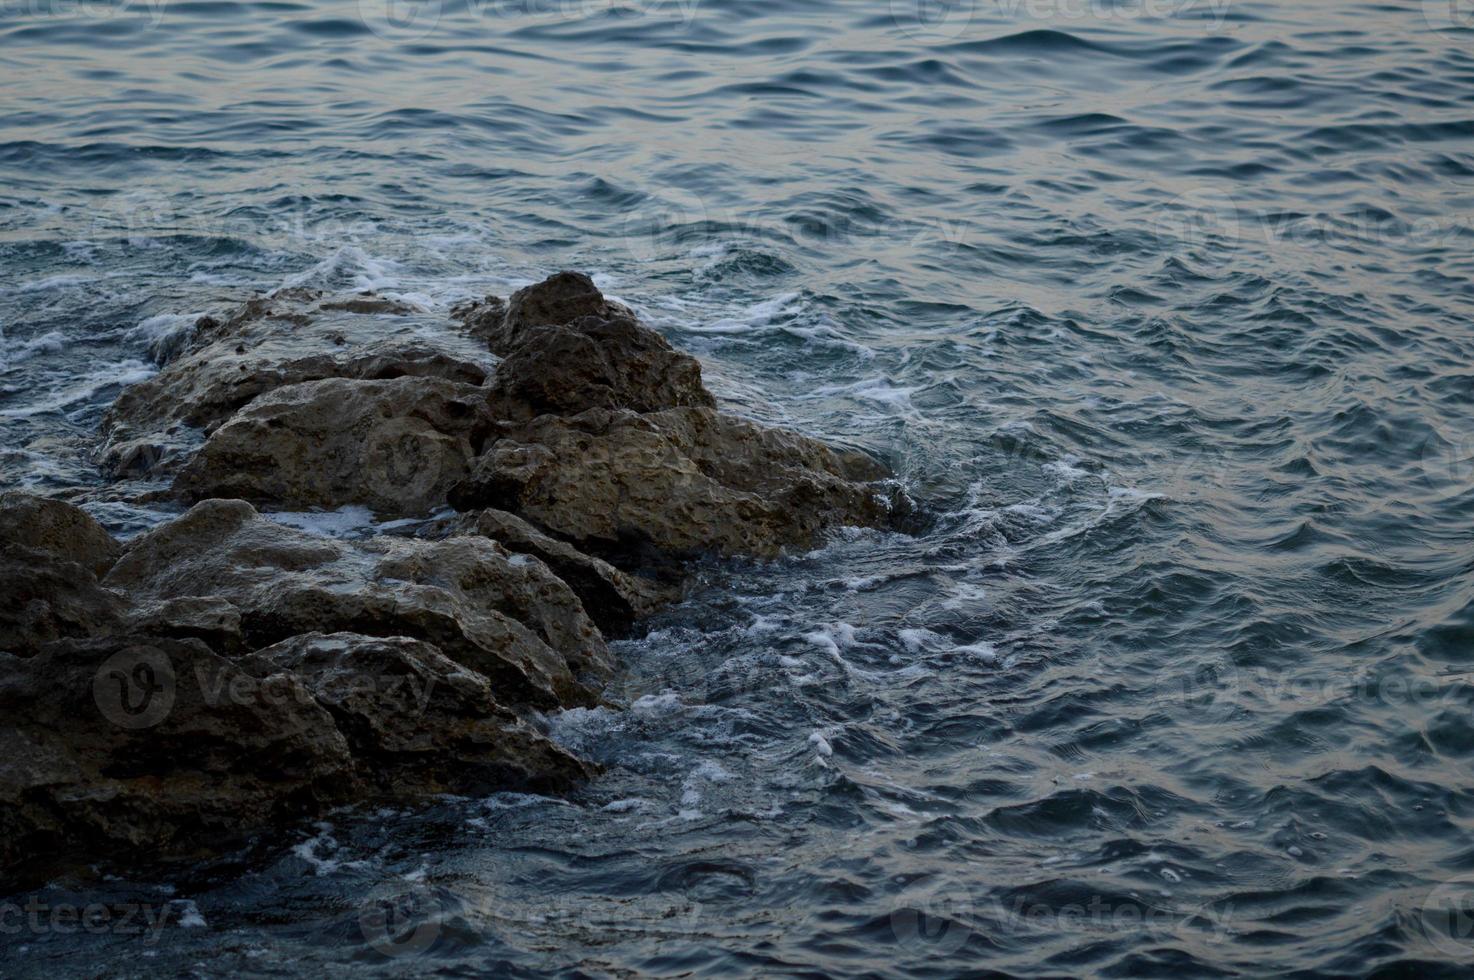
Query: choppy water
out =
(1163, 306)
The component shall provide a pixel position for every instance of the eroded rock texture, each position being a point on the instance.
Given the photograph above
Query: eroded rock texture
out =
(225, 671)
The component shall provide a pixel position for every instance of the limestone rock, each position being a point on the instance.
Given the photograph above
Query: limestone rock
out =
(285, 338)
(613, 599)
(415, 721)
(396, 446)
(681, 482)
(504, 615)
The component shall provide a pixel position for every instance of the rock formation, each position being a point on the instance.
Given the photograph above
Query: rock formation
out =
(224, 672)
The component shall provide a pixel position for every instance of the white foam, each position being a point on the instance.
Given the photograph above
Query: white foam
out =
(1066, 469)
(47, 343)
(50, 283)
(363, 271)
(189, 915)
(317, 851)
(84, 387)
(348, 521)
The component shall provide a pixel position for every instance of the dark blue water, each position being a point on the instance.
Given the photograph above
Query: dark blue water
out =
(1164, 307)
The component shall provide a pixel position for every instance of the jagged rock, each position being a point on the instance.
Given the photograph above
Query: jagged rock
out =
(481, 318)
(286, 338)
(62, 531)
(597, 362)
(415, 721)
(140, 744)
(211, 619)
(396, 446)
(680, 482)
(50, 557)
(504, 615)
(613, 600)
(129, 746)
(560, 298)
(43, 599)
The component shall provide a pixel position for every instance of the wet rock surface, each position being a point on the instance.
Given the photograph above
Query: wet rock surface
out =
(397, 446)
(549, 500)
(680, 482)
(504, 615)
(292, 336)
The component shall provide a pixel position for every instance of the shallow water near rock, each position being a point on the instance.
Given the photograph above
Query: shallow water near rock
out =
(1163, 310)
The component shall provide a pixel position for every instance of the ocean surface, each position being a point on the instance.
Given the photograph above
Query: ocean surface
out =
(1162, 308)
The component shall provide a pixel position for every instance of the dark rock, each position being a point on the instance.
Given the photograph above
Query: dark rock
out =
(683, 481)
(612, 599)
(50, 556)
(396, 446)
(416, 722)
(504, 615)
(211, 619)
(134, 746)
(561, 298)
(482, 319)
(58, 529)
(597, 362)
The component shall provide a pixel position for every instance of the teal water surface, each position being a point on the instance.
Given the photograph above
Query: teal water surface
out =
(1162, 308)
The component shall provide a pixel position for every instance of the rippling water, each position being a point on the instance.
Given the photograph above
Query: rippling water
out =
(1163, 307)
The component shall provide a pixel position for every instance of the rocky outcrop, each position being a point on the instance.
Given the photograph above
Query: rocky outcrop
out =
(561, 298)
(224, 671)
(144, 746)
(612, 599)
(286, 338)
(416, 722)
(50, 556)
(159, 747)
(397, 446)
(504, 615)
(680, 482)
(596, 362)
